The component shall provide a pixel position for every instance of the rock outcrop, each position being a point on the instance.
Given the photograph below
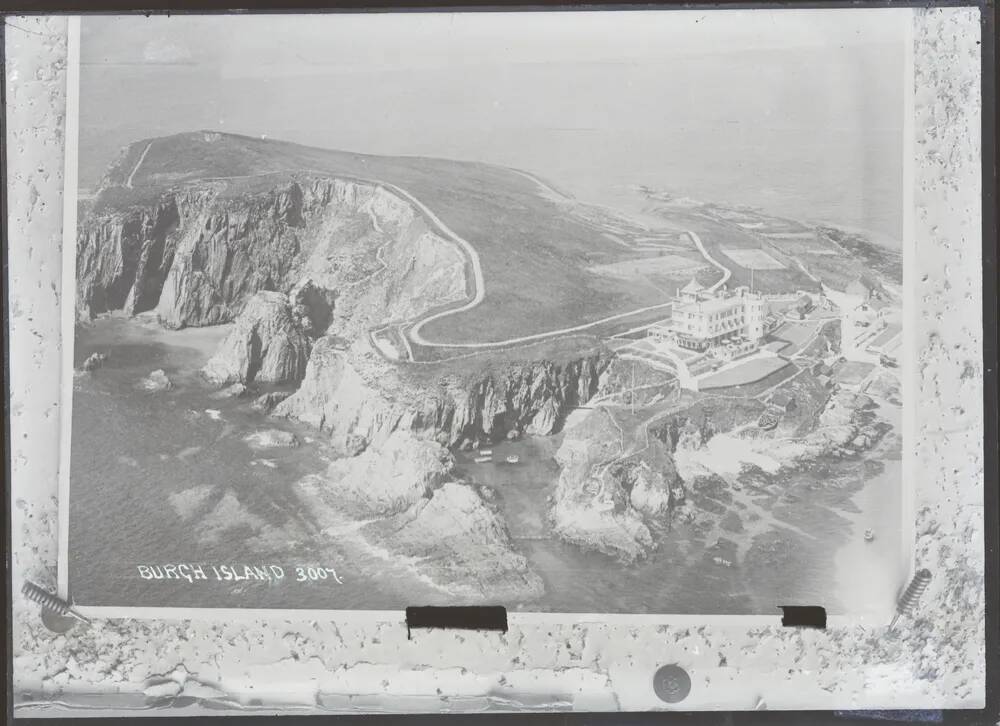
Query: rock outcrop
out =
(393, 477)
(846, 424)
(351, 392)
(266, 344)
(155, 382)
(411, 509)
(612, 493)
(463, 546)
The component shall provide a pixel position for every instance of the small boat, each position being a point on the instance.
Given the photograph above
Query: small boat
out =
(486, 452)
(483, 459)
(513, 459)
(869, 535)
(722, 561)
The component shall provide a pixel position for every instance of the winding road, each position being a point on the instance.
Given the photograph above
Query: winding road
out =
(726, 272)
(413, 334)
(142, 157)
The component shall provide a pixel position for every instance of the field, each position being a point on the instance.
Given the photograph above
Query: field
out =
(733, 246)
(754, 259)
(670, 265)
(840, 258)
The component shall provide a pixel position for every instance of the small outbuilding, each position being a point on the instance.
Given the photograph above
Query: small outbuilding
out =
(783, 400)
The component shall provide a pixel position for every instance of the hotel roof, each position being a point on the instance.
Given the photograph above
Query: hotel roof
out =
(692, 287)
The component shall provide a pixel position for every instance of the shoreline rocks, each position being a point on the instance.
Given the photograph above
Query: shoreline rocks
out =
(93, 362)
(462, 545)
(393, 477)
(155, 382)
(611, 493)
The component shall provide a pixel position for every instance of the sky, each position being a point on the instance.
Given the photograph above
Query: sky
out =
(798, 111)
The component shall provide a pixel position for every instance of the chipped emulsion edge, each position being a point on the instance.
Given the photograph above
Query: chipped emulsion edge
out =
(908, 532)
(605, 651)
(865, 619)
(70, 188)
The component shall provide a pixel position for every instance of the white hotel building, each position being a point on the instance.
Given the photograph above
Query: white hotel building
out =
(727, 323)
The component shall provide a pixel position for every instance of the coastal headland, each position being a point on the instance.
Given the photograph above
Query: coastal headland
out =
(469, 354)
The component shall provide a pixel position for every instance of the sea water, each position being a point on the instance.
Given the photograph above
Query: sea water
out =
(165, 479)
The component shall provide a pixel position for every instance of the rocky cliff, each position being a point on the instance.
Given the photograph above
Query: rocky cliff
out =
(122, 259)
(267, 344)
(354, 394)
(197, 252)
(614, 490)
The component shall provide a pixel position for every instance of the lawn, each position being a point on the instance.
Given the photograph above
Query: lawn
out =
(749, 371)
(852, 373)
(469, 367)
(796, 335)
(718, 236)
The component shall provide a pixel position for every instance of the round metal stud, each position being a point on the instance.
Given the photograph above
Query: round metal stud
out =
(671, 683)
(55, 622)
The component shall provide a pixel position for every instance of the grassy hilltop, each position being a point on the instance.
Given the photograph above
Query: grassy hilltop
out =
(535, 251)
(548, 262)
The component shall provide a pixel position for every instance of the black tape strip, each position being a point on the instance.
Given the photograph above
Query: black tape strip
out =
(487, 617)
(803, 616)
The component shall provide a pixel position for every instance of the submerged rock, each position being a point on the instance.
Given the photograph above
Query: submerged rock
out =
(266, 344)
(188, 502)
(94, 361)
(271, 439)
(265, 403)
(156, 381)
